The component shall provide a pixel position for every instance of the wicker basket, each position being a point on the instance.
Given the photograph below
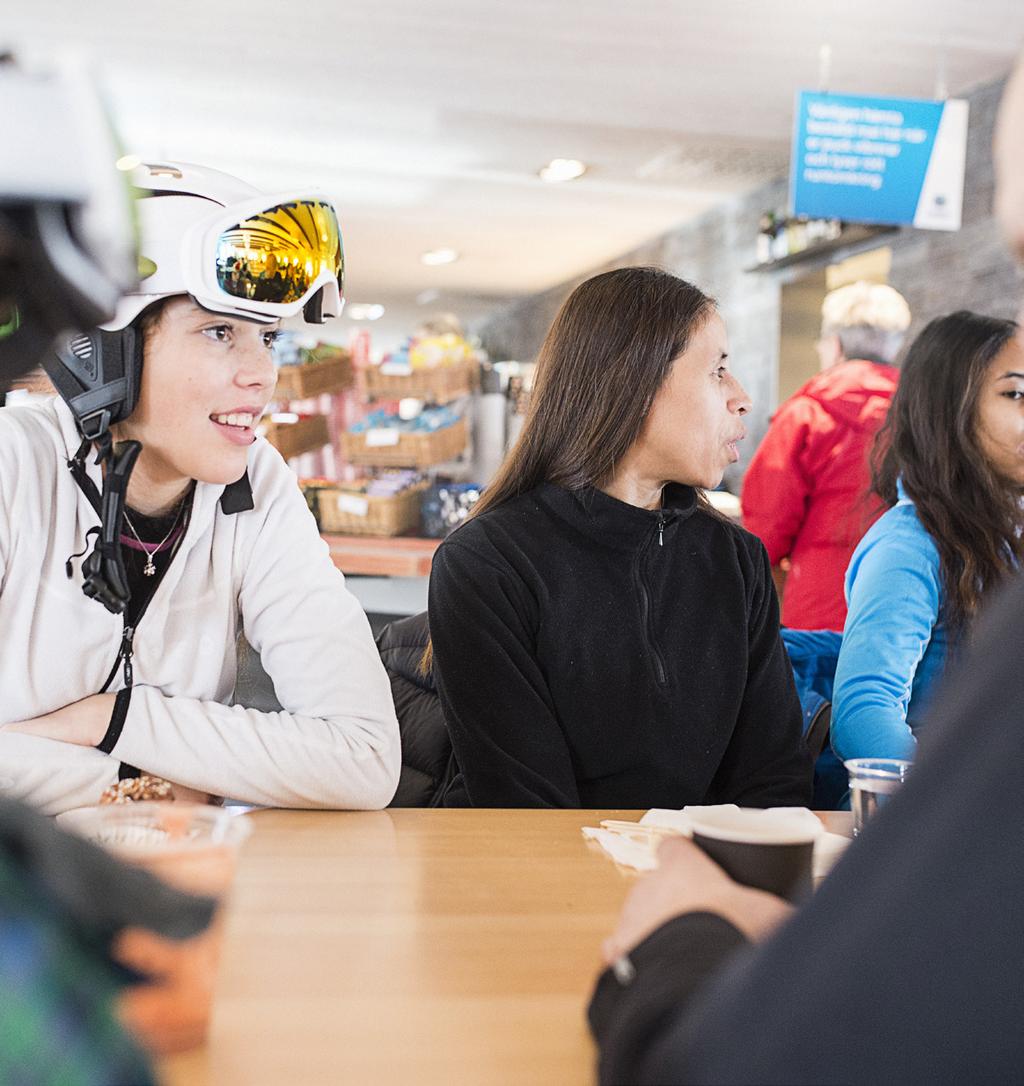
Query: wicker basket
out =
(346, 512)
(441, 384)
(404, 449)
(295, 438)
(332, 374)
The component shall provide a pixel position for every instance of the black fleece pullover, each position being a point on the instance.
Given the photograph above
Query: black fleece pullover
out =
(589, 653)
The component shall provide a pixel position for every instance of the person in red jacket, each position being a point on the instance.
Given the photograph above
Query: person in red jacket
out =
(805, 491)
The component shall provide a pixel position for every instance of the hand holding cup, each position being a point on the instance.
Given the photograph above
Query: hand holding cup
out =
(687, 881)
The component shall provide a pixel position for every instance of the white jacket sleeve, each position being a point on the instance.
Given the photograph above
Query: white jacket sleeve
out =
(52, 776)
(336, 744)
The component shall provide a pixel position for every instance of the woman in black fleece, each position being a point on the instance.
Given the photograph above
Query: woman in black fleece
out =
(600, 636)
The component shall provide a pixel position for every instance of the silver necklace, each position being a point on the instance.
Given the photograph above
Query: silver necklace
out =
(149, 569)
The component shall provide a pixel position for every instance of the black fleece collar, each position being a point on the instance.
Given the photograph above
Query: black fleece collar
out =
(237, 496)
(610, 520)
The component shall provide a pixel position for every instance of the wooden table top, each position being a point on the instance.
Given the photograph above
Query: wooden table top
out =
(447, 946)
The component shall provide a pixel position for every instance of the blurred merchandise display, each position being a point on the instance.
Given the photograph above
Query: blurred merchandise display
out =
(386, 504)
(292, 434)
(445, 506)
(392, 423)
(304, 372)
(312, 401)
(519, 389)
(427, 420)
(388, 440)
(780, 236)
(435, 369)
(449, 349)
(520, 386)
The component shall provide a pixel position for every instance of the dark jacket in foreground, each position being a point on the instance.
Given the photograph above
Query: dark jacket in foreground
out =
(906, 966)
(592, 654)
(427, 761)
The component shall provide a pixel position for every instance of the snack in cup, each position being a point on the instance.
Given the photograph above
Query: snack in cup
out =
(193, 847)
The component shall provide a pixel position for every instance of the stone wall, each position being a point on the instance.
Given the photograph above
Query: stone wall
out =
(936, 271)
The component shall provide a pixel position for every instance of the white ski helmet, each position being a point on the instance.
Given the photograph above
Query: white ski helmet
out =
(233, 249)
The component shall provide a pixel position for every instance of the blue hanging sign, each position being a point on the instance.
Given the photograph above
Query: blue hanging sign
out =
(893, 161)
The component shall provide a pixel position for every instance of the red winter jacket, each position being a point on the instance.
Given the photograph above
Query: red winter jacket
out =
(805, 492)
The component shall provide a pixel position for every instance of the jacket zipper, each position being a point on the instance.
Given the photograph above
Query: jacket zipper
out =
(125, 652)
(645, 600)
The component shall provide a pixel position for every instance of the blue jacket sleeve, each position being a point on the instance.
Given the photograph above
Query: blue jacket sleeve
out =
(895, 596)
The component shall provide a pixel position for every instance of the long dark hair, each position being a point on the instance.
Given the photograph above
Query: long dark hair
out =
(605, 357)
(603, 361)
(929, 442)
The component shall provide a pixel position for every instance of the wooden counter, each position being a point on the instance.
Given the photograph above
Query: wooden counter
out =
(379, 556)
(411, 946)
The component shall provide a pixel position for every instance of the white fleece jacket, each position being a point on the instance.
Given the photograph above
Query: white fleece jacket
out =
(264, 572)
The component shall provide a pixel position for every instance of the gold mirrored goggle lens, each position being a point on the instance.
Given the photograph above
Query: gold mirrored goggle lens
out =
(277, 255)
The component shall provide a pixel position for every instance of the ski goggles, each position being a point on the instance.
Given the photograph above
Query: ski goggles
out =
(266, 258)
(282, 254)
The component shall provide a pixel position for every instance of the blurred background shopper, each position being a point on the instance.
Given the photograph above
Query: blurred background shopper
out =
(803, 493)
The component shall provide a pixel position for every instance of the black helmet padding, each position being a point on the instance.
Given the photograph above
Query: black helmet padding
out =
(98, 374)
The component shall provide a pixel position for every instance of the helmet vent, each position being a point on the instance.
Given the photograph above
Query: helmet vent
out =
(83, 348)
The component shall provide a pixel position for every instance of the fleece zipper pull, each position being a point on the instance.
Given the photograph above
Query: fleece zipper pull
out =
(126, 654)
(123, 697)
(661, 530)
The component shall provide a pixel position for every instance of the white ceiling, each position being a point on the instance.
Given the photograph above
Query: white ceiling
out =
(427, 121)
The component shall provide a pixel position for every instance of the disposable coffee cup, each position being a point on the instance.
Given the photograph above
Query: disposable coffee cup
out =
(766, 850)
(872, 782)
(193, 847)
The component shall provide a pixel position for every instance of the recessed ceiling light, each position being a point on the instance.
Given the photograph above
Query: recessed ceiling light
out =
(365, 311)
(439, 256)
(563, 169)
(128, 162)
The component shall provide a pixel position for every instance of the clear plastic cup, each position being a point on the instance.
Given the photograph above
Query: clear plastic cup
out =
(195, 848)
(872, 782)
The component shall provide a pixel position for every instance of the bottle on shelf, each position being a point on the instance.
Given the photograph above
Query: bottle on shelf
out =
(765, 237)
(780, 236)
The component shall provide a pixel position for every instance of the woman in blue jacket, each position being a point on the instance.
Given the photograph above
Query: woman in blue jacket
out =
(950, 463)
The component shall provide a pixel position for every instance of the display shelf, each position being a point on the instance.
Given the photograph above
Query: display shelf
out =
(404, 448)
(382, 556)
(295, 438)
(308, 379)
(851, 235)
(442, 384)
(343, 511)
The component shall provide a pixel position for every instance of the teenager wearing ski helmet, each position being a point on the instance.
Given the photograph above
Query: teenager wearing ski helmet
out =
(145, 487)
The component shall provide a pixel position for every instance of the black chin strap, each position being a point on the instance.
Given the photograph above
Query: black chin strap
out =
(103, 574)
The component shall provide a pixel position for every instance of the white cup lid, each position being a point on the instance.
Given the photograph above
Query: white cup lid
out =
(774, 826)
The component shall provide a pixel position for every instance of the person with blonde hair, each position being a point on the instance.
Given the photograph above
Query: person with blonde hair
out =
(804, 492)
